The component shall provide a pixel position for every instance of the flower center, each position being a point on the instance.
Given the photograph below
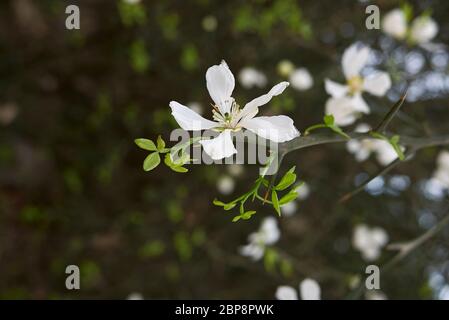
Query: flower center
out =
(228, 120)
(355, 84)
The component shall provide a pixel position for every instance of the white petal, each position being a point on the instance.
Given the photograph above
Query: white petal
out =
(335, 89)
(286, 293)
(342, 109)
(395, 24)
(443, 160)
(276, 128)
(189, 119)
(385, 153)
(220, 84)
(219, 147)
(423, 30)
(359, 104)
(251, 108)
(310, 290)
(354, 59)
(377, 83)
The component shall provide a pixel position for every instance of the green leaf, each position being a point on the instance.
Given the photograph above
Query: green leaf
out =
(248, 214)
(218, 203)
(270, 259)
(179, 169)
(394, 141)
(287, 180)
(145, 144)
(152, 161)
(329, 120)
(160, 143)
(275, 200)
(337, 129)
(236, 218)
(289, 197)
(229, 206)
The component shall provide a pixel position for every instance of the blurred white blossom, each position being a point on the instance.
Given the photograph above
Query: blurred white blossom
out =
(347, 102)
(421, 31)
(301, 79)
(209, 23)
(289, 208)
(369, 241)
(375, 295)
(309, 289)
(362, 149)
(225, 185)
(250, 77)
(8, 112)
(235, 170)
(267, 234)
(441, 174)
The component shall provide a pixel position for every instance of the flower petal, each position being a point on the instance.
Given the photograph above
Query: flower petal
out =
(335, 89)
(189, 119)
(220, 84)
(423, 29)
(286, 293)
(219, 147)
(275, 128)
(342, 109)
(354, 59)
(251, 108)
(377, 83)
(359, 104)
(395, 24)
(310, 290)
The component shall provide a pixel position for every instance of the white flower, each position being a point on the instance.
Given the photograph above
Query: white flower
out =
(230, 117)
(285, 68)
(347, 102)
(135, 296)
(235, 170)
(303, 191)
(362, 149)
(250, 77)
(441, 174)
(225, 185)
(267, 234)
(395, 24)
(301, 79)
(423, 30)
(309, 289)
(369, 241)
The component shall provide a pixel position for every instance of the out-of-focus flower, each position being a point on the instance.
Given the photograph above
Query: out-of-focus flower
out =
(250, 77)
(369, 241)
(395, 24)
(362, 149)
(235, 170)
(309, 289)
(375, 295)
(225, 185)
(421, 31)
(289, 208)
(195, 106)
(8, 112)
(135, 296)
(285, 68)
(301, 79)
(209, 23)
(303, 191)
(347, 102)
(441, 174)
(132, 1)
(229, 117)
(267, 234)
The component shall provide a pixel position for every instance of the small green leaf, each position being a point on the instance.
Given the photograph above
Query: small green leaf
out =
(394, 143)
(145, 144)
(337, 129)
(287, 180)
(152, 161)
(236, 218)
(179, 169)
(270, 259)
(229, 206)
(275, 200)
(289, 197)
(218, 203)
(329, 120)
(160, 143)
(248, 214)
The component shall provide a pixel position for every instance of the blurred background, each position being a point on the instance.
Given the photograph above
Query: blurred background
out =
(72, 188)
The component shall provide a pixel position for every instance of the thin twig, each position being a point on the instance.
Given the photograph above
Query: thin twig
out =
(390, 115)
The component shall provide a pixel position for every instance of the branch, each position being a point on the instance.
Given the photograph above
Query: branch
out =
(390, 115)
